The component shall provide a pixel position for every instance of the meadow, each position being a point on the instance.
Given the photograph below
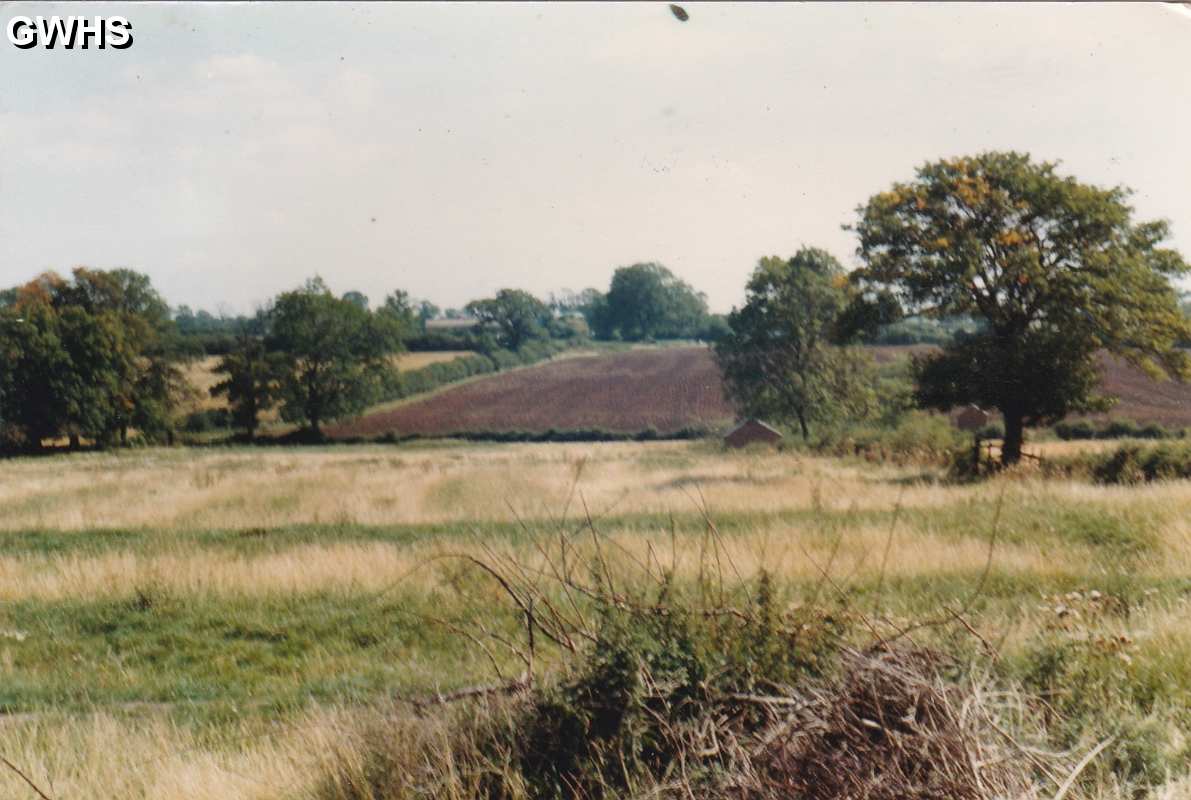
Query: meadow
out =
(227, 622)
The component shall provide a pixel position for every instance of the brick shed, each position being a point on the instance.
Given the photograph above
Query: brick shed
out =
(752, 431)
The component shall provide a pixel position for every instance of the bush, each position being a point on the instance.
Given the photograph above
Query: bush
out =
(207, 420)
(1080, 429)
(917, 436)
(1114, 429)
(1128, 465)
(433, 376)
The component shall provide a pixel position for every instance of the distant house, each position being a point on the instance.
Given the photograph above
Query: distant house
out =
(452, 325)
(752, 431)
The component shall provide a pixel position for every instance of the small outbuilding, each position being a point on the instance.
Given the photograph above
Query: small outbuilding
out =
(752, 431)
(972, 418)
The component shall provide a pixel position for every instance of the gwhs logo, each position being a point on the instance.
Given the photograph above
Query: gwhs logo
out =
(70, 32)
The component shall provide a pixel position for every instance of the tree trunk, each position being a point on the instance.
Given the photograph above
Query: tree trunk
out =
(806, 434)
(1011, 445)
(74, 441)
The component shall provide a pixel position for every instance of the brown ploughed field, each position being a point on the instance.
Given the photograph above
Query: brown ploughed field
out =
(666, 389)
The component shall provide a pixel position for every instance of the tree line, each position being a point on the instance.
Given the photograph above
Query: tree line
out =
(1029, 273)
(98, 354)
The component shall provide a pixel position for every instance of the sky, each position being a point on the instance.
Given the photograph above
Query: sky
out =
(451, 150)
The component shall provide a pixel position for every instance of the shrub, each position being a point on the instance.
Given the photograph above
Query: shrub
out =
(1128, 465)
(1114, 429)
(1080, 429)
(207, 420)
(915, 437)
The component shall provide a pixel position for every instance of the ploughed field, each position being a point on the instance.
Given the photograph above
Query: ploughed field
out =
(666, 390)
(663, 389)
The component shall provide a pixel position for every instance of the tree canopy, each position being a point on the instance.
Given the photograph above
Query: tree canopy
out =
(646, 301)
(90, 356)
(336, 354)
(518, 315)
(252, 380)
(1053, 270)
(779, 357)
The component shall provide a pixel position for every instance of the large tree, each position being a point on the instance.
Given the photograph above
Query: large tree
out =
(252, 380)
(1054, 270)
(91, 356)
(335, 353)
(779, 358)
(648, 301)
(518, 315)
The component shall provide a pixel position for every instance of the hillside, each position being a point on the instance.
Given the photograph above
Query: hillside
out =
(665, 389)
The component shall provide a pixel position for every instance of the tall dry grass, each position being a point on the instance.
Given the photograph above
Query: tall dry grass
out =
(239, 489)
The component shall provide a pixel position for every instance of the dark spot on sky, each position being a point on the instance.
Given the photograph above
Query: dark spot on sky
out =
(679, 12)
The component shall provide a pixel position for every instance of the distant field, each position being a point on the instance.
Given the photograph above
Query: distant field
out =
(200, 374)
(665, 389)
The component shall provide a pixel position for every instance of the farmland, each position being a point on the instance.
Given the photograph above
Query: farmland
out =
(663, 389)
(666, 390)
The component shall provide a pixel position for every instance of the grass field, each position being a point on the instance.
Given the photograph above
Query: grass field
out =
(212, 624)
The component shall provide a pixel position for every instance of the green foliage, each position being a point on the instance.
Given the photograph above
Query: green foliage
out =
(1052, 269)
(433, 376)
(1129, 464)
(252, 383)
(913, 438)
(518, 315)
(207, 420)
(1114, 429)
(90, 356)
(922, 330)
(334, 354)
(780, 360)
(617, 720)
(647, 302)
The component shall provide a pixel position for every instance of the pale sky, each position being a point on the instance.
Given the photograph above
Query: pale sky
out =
(451, 150)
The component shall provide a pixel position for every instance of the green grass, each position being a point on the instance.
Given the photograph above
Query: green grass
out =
(203, 655)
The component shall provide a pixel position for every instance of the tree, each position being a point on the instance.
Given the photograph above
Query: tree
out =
(779, 358)
(89, 356)
(426, 312)
(647, 301)
(403, 313)
(335, 354)
(518, 315)
(358, 299)
(252, 384)
(1053, 271)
